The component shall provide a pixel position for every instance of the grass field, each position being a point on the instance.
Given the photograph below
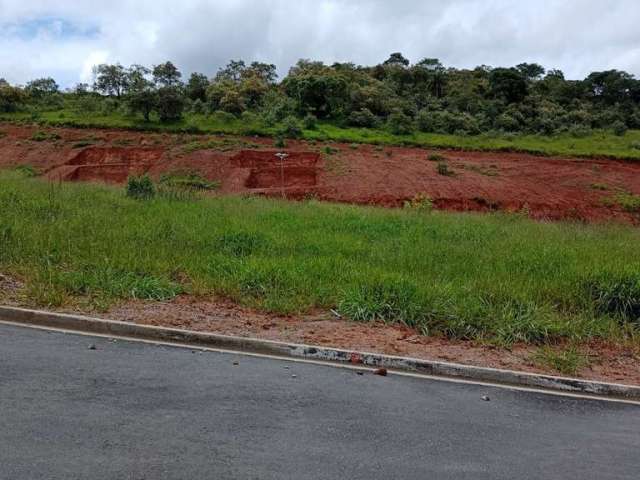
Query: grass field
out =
(597, 144)
(499, 278)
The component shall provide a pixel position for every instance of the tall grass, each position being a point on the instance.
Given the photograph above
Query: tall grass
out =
(495, 277)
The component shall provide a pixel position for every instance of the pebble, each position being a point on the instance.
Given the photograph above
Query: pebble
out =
(92, 347)
(236, 363)
(381, 371)
(294, 376)
(486, 398)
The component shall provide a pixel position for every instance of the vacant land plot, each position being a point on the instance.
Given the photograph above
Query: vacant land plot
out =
(495, 289)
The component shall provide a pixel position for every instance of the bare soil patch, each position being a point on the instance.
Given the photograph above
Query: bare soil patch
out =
(546, 188)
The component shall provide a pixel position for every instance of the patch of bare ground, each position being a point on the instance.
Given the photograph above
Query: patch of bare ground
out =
(602, 361)
(9, 290)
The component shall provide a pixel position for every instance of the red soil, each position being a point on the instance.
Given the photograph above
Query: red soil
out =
(544, 187)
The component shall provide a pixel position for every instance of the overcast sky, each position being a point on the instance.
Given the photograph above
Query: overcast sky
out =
(64, 38)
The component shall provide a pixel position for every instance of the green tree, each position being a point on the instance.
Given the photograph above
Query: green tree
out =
(507, 84)
(196, 88)
(110, 79)
(42, 87)
(166, 75)
(170, 103)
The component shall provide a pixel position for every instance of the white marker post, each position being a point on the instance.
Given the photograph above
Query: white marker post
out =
(282, 156)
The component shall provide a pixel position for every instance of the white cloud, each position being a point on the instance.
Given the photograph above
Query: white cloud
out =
(577, 36)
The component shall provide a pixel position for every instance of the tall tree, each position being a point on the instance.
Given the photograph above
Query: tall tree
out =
(110, 79)
(166, 75)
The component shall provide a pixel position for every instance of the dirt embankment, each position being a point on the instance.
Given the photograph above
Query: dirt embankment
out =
(543, 187)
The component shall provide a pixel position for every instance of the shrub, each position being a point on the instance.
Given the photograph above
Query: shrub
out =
(310, 122)
(399, 124)
(362, 118)
(279, 142)
(628, 201)
(290, 127)
(198, 106)
(170, 104)
(435, 157)
(447, 122)
(579, 131)
(615, 294)
(619, 128)
(140, 188)
(27, 170)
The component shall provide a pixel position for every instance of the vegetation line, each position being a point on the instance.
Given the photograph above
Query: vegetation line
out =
(522, 109)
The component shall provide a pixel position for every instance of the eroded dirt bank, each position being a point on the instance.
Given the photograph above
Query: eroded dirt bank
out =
(544, 187)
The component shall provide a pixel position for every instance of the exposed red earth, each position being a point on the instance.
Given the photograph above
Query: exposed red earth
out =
(543, 187)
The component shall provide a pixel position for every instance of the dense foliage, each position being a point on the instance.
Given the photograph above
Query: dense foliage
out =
(396, 95)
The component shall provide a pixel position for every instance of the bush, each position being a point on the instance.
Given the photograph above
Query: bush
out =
(310, 122)
(399, 124)
(279, 142)
(170, 104)
(447, 122)
(619, 128)
(198, 106)
(579, 131)
(290, 127)
(362, 118)
(140, 188)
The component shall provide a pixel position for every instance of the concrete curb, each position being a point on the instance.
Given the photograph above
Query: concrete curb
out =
(288, 350)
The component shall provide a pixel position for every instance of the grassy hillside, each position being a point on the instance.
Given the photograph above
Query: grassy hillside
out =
(597, 144)
(499, 277)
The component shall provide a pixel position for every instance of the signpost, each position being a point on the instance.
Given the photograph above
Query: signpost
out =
(282, 156)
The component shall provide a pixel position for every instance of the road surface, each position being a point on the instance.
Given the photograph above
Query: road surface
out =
(129, 410)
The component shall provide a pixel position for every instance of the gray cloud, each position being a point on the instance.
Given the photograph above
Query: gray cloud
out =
(64, 38)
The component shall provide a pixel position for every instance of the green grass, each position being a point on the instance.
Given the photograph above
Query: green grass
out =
(498, 277)
(598, 144)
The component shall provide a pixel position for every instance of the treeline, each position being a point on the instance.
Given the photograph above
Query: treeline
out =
(395, 95)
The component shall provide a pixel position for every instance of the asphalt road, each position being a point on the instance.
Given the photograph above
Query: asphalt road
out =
(130, 410)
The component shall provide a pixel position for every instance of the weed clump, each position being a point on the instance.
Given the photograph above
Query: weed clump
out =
(41, 136)
(26, 170)
(140, 188)
(240, 244)
(435, 157)
(188, 180)
(443, 169)
(420, 202)
(386, 300)
(617, 295)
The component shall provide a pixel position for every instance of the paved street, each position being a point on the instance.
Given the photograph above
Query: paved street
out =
(127, 410)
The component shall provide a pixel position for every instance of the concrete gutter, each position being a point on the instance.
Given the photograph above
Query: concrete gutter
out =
(79, 323)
